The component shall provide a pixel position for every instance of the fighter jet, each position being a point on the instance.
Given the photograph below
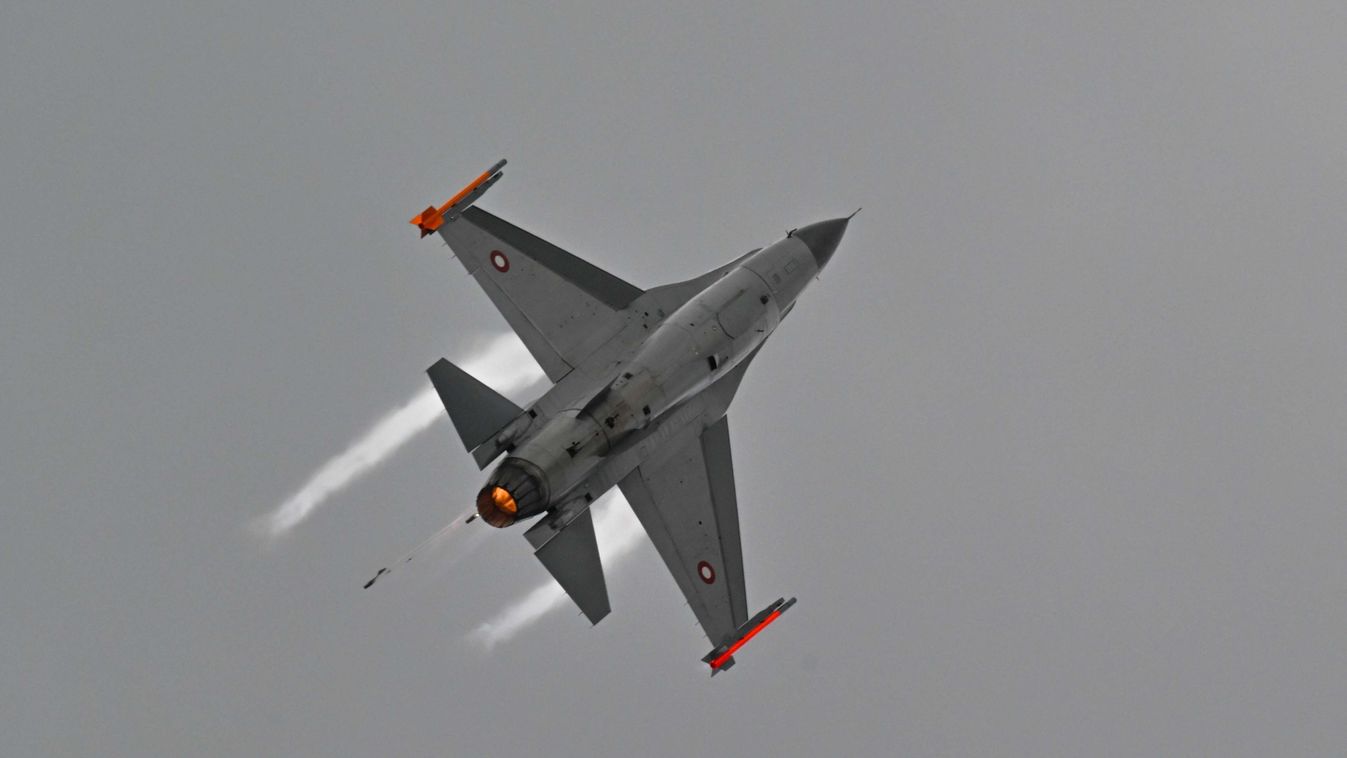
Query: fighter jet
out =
(641, 380)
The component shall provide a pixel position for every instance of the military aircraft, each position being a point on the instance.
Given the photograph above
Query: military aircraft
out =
(641, 383)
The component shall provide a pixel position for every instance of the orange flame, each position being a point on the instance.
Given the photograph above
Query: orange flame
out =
(503, 500)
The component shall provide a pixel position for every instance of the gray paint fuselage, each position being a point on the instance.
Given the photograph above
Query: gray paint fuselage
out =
(659, 388)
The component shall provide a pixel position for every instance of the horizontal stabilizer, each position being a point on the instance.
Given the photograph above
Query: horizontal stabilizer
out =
(478, 412)
(569, 550)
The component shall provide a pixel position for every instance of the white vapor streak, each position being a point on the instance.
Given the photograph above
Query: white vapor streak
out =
(618, 533)
(504, 364)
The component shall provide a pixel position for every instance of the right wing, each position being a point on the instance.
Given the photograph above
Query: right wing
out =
(562, 307)
(687, 504)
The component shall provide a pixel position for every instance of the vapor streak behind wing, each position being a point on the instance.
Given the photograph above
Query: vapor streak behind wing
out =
(503, 363)
(618, 533)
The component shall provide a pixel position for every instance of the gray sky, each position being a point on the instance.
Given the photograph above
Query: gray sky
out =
(1052, 455)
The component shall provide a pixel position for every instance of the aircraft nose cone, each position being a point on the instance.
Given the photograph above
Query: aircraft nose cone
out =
(822, 237)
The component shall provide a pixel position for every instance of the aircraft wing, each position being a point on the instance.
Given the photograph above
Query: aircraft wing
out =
(684, 497)
(562, 307)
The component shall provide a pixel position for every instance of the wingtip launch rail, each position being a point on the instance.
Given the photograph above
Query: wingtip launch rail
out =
(722, 658)
(433, 218)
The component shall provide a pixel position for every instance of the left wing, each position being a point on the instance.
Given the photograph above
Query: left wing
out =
(561, 306)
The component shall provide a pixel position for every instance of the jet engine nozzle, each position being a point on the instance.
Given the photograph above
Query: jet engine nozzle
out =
(497, 506)
(516, 490)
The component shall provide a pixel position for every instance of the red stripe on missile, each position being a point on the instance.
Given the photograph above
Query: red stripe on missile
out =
(719, 660)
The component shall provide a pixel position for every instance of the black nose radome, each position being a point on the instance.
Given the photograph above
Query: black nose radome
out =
(822, 237)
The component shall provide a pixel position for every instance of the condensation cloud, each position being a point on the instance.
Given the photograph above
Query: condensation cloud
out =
(503, 363)
(618, 533)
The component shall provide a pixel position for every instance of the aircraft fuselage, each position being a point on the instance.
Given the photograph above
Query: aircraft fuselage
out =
(692, 348)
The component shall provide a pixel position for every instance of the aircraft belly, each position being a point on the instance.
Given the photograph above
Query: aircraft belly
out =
(650, 445)
(645, 445)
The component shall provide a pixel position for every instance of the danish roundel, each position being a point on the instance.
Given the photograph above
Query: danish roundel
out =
(707, 573)
(499, 261)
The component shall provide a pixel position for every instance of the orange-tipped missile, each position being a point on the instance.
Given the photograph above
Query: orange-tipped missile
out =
(432, 218)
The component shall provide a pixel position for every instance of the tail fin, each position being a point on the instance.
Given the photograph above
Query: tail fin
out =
(478, 412)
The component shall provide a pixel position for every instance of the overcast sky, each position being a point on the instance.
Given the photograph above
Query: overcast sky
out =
(1052, 454)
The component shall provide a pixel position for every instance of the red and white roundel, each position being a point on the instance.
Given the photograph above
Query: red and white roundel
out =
(707, 573)
(499, 260)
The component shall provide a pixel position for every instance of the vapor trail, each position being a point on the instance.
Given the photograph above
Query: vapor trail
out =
(618, 533)
(504, 363)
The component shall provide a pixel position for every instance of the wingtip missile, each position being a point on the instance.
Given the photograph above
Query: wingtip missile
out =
(432, 218)
(722, 658)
